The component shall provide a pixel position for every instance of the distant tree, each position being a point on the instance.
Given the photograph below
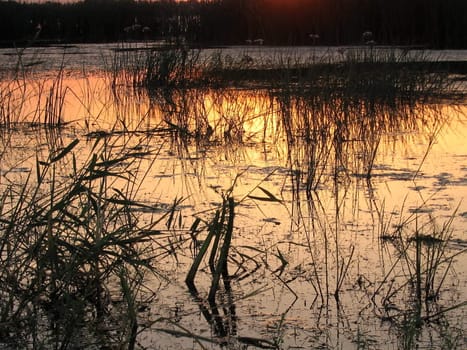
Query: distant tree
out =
(434, 23)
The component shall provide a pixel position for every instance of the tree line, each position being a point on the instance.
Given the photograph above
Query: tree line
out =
(430, 23)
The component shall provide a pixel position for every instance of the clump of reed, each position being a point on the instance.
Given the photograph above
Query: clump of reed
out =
(155, 67)
(32, 100)
(12, 101)
(65, 240)
(51, 111)
(382, 75)
(379, 75)
(411, 293)
(173, 67)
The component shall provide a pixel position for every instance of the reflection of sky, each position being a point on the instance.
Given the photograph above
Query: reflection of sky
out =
(254, 120)
(94, 56)
(347, 212)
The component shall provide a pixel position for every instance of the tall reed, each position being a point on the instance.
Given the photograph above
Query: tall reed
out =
(13, 96)
(63, 240)
(376, 73)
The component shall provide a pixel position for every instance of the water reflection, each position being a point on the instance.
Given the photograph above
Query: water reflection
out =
(343, 206)
(210, 136)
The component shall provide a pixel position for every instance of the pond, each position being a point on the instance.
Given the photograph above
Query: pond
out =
(306, 220)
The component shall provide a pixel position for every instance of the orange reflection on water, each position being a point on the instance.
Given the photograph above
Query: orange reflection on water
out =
(316, 138)
(317, 181)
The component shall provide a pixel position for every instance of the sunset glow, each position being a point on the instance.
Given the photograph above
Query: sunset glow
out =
(233, 174)
(276, 22)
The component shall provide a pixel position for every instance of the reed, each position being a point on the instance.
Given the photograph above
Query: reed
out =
(63, 241)
(13, 96)
(369, 72)
(73, 247)
(18, 96)
(220, 229)
(54, 102)
(422, 253)
(155, 67)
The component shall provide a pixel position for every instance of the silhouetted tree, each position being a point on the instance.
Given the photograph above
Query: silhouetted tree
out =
(435, 23)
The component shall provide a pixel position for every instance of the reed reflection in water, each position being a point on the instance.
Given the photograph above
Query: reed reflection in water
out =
(342, 215)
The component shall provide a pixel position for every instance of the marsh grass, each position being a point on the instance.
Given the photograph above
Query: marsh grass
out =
(48, 94)
(368, 72)
(155, 67)
(421, 267)
(54, 102)
(328, 114)
(63, 240)
(12, 100)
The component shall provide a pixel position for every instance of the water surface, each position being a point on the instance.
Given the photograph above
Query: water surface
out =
(330, 194)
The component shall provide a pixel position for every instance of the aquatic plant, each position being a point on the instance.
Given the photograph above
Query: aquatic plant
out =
(421, 266)
(155, 67)
(17, 94)
(220, 229)
(83, 254)
(13, 97)
(64, 241)
(376, 73)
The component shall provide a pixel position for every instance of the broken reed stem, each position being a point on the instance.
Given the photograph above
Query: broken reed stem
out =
(189, 280)
(218, 230)
(218, 226)
(222, 261)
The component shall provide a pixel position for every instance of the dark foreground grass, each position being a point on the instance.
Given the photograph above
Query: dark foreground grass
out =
(64, 241)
